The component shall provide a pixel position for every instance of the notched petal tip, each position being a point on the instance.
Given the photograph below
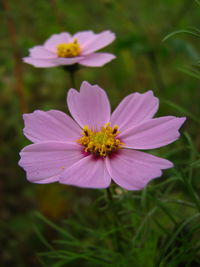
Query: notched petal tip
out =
(26, 116)
(110, 33)
(135, 109)
(113, 56)
(88, 86)
(180, 122)
(85, 83)
(153, 133)
(150, 92)
(20, 160)
(166, 164)
(31, 113)
(90, 106)
(26, 59)
(183, 119)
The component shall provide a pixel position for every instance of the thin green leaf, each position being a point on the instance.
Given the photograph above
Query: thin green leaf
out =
(182, 110)
(149, 214)
(54, 226)
(192, 73)
(178, 230)
(178, 32)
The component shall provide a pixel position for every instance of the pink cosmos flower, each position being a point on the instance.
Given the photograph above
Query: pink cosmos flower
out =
(66, 49)
(96, 146)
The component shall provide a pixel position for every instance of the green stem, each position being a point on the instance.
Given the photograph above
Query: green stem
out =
(72, 78)
(156, 71)
(109, 195)
(116, 221)
(193, 194)
(72, 69)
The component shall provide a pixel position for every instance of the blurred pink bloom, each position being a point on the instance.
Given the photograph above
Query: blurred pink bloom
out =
(96, 146)
(66, 49)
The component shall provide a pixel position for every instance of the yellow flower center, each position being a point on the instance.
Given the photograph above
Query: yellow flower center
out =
(100, 143)
(69, 50)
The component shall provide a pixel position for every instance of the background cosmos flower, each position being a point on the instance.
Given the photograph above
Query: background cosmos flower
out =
(66, 49)
(96, 146)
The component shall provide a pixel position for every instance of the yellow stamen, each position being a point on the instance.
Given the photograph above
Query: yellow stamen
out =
(69, 50)
(100, 143)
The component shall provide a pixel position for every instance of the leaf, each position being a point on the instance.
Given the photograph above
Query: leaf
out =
(173, 237)
(194, 73)
(181, 31)
(54, 226)
(182, 110)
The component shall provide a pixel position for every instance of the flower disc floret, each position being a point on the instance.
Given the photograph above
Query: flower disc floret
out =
(69, 50)
(100, 143)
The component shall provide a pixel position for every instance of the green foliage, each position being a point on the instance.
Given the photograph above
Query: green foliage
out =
(146, 228)
(194, 32)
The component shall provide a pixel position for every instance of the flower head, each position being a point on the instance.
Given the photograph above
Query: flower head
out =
(66, 49)
(96, 146)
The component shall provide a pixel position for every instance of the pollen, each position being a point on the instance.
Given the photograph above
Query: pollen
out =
(69, 50)
(100, 143)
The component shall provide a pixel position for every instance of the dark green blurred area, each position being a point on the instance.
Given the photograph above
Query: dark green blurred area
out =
(143, 63)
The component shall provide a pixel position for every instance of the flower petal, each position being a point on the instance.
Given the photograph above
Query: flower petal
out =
(89, 107)
(40, 52)
(96, 59)
(52, 125)
(83, 37)
(97, 42)
(134, 109)
(133, 169)
(153, 133)
(51, 62)
(44, 162)
(89, 172)
(56, 39)
(66, 61)
(40, 63)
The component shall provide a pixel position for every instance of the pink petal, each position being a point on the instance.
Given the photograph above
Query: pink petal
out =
(52, 125)
(83, 37)
(66, 61)
(51, 62)
(56, 39)
(40, 63)
(96, 59)
(89, 107)
(134, 109)
(153, 133)
(133, 169)
(44, 162)
(89, 172)
(40, 52)
(97, 42)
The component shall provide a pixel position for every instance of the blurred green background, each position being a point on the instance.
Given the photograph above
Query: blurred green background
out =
(144, 62)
